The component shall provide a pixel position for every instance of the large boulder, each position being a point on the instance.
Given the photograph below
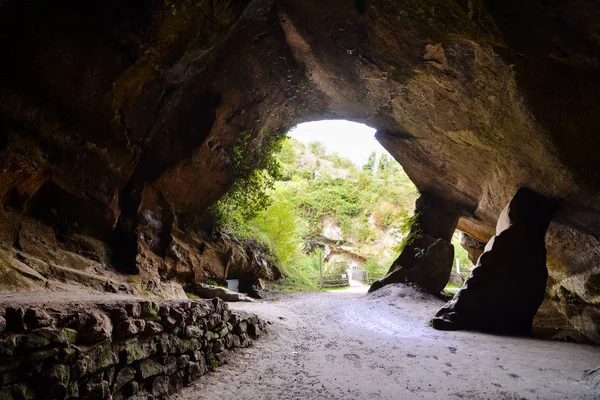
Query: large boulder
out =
(507, 286)
(426, 259)
(426, 262)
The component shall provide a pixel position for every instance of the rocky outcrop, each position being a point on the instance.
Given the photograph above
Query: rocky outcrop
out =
(427, 256)
(584, 318)
(118, 122)
(47, 258)
(194, 259)
(209, 291)
(508, 284)
(473, 247)
(137, 349)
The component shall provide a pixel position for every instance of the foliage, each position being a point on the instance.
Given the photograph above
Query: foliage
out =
(318, 149)
(370, 165)
(452, 288)
(292, 284)
(280, 228)
(134, 279)
(255, 170)
(298, 274)
(384, 163)
(410, 231)
(341, 162)
(466, 266)
(374, 267)
(315, 190)
(328, 197)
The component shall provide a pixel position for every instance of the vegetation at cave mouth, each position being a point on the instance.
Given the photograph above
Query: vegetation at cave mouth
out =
(320, 199)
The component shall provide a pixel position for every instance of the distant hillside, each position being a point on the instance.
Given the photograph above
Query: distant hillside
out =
(363, 207)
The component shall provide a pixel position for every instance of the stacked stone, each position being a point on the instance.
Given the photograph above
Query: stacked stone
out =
(139, 350)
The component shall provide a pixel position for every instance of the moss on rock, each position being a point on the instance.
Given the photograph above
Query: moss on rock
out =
(150, 367)
(136, 349)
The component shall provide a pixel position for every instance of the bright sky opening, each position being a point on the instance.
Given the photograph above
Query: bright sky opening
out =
(349, 139)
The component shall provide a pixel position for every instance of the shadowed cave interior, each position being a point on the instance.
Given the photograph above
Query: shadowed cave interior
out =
(119, 125)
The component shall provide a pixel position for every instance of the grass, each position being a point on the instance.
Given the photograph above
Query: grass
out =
(134, 280)
(192, 296)
(292, 284)
(452, 288)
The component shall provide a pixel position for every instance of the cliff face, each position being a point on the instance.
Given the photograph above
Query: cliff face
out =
(118, 120)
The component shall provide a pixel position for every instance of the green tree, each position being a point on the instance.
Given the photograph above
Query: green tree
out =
(370, 165)
(384, 163)
(318, 149)
(281, 227)
(255, 170)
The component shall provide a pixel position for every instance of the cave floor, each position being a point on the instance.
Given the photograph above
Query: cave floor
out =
(349, 345)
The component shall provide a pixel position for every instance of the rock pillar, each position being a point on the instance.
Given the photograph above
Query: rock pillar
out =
(507, 286)
(426, 259)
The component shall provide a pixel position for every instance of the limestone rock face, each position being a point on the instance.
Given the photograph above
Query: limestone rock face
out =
(117, 121)
(473, 246)
(507, 286)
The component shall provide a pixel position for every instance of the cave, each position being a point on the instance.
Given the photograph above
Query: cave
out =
(117, 129)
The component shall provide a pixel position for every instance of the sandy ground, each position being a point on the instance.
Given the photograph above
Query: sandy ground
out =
(349, 345)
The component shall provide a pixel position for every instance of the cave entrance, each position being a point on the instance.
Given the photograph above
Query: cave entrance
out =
(339, 210)
(357, 201)
(339, 214)
(464, 259)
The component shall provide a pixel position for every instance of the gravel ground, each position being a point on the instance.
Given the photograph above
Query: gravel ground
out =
(350, 345)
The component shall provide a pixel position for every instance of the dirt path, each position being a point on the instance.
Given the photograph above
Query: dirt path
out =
(348, 345)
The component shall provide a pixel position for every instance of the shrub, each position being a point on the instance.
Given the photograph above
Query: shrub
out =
(255, 170)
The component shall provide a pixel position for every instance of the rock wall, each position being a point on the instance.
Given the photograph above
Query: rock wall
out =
(36, 256)
(116, 350)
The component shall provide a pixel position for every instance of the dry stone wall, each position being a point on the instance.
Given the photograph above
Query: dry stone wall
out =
(116, 350)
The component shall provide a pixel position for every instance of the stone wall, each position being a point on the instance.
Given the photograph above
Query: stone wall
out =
(135, 349)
